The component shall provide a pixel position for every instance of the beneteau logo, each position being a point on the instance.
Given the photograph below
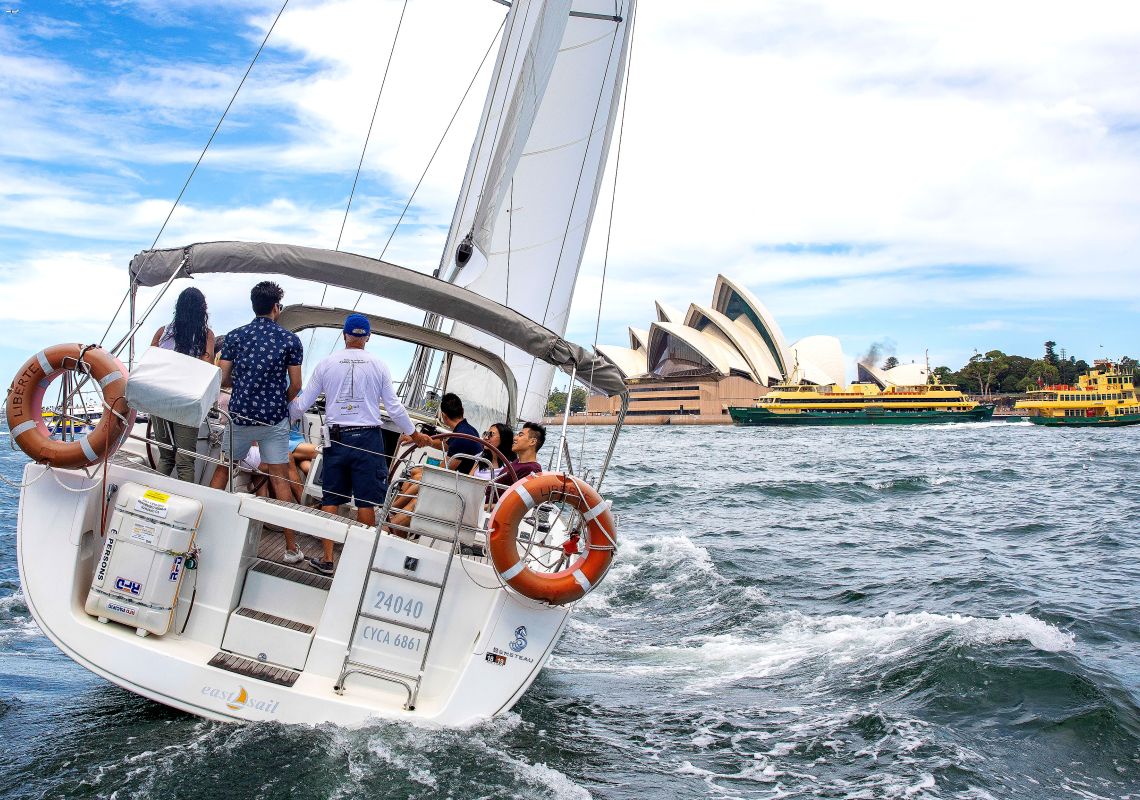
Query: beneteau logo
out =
(240, 699)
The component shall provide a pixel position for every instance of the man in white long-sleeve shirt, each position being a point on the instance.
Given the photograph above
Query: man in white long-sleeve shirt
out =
(354, 382)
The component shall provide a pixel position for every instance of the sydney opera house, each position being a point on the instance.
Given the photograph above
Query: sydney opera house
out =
(710, 357)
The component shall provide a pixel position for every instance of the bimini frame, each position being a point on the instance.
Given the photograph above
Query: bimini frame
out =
(383, 279)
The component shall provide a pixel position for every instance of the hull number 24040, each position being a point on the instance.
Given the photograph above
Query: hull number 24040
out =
(398, 605)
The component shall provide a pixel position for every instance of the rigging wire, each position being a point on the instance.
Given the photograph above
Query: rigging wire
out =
(202, 155)
(610, 222)
(435, 152)
(364, 149)
(221, 119)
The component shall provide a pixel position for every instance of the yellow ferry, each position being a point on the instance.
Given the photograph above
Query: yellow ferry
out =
(1105, 396)
(862, 404)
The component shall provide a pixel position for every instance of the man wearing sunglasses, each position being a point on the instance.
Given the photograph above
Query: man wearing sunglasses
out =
(261, 362)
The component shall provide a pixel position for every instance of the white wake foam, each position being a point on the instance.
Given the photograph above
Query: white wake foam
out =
(837, 641)
(678, 557)
(16, 620)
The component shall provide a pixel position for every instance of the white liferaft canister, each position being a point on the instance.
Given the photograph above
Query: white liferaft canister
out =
(143, 559)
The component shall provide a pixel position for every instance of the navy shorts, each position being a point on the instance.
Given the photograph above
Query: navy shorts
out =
(355, 468)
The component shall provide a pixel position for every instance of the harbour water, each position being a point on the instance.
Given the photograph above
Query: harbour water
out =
(912, 612)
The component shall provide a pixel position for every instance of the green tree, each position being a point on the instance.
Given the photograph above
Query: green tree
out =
(555, 402)
(1040, 373)
(1072, 369)
(1051, 354)
(945, 375)
(578, 400)
(890, 363)
(1014, 376)
(986, 369)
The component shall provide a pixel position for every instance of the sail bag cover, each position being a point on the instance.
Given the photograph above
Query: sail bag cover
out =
(173, 386)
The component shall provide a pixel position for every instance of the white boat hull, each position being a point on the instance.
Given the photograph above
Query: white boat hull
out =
(487, 647)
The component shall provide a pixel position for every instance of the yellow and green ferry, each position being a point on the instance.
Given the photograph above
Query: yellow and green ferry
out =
(862, 404)
(1105, 397)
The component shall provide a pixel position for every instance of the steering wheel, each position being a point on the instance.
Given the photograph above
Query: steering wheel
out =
(150, 448)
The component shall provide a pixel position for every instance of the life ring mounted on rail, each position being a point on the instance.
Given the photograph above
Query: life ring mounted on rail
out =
(26, 400)
(597, 550)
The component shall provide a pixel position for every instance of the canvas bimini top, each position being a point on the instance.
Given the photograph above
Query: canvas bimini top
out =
(383, 279)
(300, 317)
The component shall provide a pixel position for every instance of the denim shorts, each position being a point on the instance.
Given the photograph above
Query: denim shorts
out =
(355, 468)
(272, 441)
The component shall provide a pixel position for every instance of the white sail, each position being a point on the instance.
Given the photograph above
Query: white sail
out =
(517, 120)
(528, 224)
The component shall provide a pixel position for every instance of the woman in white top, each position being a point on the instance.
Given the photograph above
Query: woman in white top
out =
(189, 333)
(498, 436)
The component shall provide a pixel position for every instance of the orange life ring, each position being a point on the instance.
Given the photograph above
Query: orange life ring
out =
(572, 583)
(26, 398)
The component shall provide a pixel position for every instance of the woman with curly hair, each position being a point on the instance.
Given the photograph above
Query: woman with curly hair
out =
(189, 333)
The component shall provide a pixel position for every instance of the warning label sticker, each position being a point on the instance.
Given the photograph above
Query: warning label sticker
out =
(153, 504)
(143, 532)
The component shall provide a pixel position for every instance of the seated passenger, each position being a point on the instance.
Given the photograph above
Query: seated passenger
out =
(528, 441)
(451, 415)
(459, 451)
(498, 436)
(301, 455)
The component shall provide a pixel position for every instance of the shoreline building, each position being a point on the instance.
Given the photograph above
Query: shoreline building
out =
(727, 353)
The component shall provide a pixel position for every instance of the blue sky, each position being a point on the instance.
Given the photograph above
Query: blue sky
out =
(943, 176)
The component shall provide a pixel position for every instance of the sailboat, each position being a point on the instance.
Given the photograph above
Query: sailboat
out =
(172, 590)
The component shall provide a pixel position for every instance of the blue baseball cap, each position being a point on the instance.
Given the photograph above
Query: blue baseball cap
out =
(357, 325)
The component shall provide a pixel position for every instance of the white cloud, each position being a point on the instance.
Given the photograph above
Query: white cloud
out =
(926, 141)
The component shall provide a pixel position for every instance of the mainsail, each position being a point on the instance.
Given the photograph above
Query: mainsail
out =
(532, 181)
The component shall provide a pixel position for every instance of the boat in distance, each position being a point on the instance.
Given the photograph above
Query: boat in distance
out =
(861, 404)
(1106, 396)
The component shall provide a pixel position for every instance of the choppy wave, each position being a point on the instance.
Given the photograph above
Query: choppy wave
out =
(893, 613)
(15, 620)
(839, 642)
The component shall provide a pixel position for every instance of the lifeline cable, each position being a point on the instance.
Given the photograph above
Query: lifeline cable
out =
(434, 153)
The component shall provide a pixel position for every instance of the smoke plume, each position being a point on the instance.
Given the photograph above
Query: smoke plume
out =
(876, 351)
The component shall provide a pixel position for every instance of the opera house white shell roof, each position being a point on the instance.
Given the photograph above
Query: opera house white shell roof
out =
(735, 335)
(902, 375)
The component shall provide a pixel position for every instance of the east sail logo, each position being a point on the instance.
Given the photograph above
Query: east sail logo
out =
(236, 701)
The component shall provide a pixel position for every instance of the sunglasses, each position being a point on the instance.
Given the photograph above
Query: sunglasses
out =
(487, 434)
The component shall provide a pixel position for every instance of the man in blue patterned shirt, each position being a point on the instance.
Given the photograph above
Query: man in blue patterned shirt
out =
(261, 361)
